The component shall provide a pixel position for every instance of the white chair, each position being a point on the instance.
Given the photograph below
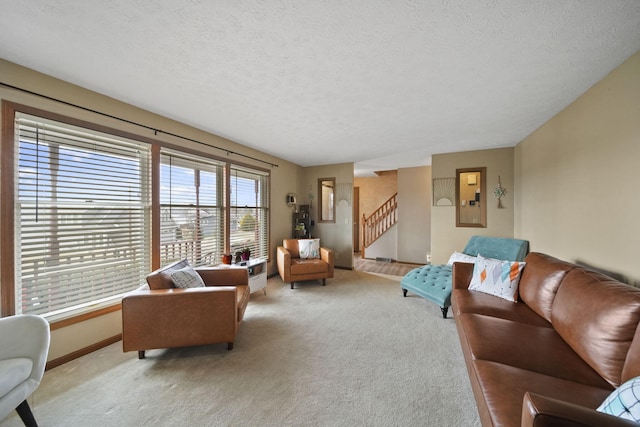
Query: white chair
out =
(24, 345)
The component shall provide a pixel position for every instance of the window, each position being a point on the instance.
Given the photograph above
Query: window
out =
(81, 214)
(249, 211)
(191, 209)
(79, 208)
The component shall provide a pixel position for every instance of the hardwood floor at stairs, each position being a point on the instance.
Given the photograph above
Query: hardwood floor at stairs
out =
(381, 267)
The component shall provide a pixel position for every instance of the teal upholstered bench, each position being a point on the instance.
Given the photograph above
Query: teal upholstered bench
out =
(433, 282)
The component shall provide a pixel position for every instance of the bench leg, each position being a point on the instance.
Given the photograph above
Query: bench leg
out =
(445, 310)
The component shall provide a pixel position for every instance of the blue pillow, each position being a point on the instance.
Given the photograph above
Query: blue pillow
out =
(624, 402)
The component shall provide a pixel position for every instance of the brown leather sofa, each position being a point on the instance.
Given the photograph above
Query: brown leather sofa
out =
(159, 315)
(552, 358)
(292, 268)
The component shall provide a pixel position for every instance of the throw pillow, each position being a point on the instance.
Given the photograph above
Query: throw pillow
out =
(460, 257)
(624, 402)
(187, 277)
(495, 277)
(309, 248)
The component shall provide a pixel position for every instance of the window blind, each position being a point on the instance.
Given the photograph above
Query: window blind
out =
(191, 204)
(249, 211)
(82, 217)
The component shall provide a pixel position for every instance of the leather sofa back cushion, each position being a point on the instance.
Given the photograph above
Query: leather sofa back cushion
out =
(598, 317)
(292, 246)
(161, 278)
(540, 281)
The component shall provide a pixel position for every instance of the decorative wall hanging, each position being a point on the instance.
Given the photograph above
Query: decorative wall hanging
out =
(499, 192)
(343, 192)
(444, 192)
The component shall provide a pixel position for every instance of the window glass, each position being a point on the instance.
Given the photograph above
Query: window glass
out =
(249, 211)
(191, 211)
(82, 217)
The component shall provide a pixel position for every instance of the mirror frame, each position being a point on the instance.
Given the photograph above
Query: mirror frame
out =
(483, 197)
(321, 200)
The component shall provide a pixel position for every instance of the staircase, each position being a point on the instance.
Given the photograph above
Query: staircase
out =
(379, 222)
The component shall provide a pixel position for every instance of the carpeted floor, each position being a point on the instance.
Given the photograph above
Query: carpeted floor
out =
(352, 353)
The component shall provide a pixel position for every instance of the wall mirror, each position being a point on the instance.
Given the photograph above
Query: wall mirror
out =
(471, 197)
(326, 198)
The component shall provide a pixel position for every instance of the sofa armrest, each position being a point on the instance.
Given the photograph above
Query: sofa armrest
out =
(283, 259)
(214, 276)
(28, 336)
(462, 273)
(328, 256)
(542, 411)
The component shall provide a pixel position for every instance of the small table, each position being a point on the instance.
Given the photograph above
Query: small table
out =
(257, 268)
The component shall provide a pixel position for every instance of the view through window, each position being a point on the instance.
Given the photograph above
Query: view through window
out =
(83, 215)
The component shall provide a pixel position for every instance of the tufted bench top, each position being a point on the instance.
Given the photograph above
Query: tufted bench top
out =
(432, 282)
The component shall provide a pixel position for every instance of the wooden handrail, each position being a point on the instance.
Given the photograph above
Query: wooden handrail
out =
(379, 222)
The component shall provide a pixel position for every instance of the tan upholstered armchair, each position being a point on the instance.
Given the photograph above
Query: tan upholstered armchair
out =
(161, 315)
(292, 268)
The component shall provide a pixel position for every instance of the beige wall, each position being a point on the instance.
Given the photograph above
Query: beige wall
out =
(445, 236)
(284, 178)
(577, 177)
(414, 214)
(339, 235)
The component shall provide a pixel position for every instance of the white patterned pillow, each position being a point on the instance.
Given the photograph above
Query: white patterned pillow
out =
(187, 277)
(460, 257)
(495, 277)
(309, 248)
(624, 402)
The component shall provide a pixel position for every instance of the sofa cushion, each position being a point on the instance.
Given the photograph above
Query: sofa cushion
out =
(540, 281)
(161, 278)
(624, 402)
(187, 277)
(597, 316)
(490, 338)
(503, 388)
(13, 372)
(495, 277)
(308, 266)
(292, 246)
(488, 305)
(309, 248)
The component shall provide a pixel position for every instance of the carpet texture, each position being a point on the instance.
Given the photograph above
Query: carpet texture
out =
(352, 353)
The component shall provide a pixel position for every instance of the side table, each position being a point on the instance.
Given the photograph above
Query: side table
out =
(257, 268)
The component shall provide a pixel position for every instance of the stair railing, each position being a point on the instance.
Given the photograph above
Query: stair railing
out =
(379, 222)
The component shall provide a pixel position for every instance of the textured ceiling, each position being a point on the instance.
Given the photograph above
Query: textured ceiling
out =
(381, 83)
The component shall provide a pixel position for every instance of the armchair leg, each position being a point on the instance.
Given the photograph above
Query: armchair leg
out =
(141, 354)
(324, 282)
(229, 346)
(26, 415)
(291, 285)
